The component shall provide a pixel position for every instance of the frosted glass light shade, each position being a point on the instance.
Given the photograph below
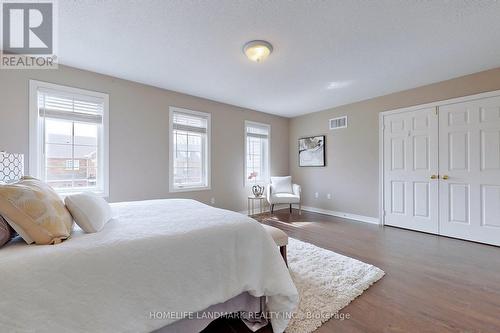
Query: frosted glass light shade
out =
(257, 50)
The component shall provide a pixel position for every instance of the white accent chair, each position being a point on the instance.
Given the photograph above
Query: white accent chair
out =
(281, 190)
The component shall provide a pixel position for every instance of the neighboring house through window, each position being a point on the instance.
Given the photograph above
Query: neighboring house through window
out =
(257, 163)
(72, 164)
(189, 150)
(69, 138)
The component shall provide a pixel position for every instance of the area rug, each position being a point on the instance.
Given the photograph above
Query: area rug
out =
(326, 281)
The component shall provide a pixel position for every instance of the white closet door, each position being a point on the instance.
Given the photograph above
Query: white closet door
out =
(410, 161)
(469, 160)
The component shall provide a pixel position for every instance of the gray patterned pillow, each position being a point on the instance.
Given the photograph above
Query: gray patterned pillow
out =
(5, 232)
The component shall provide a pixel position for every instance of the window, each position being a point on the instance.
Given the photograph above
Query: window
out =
(69, 138)
(70, 164)
(189, 150)
(257, 152)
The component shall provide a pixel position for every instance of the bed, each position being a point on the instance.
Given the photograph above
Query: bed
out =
(154, 258)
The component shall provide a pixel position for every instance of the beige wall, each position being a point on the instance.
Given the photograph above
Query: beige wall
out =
(139, 138)
(139, 134)
(351, 174)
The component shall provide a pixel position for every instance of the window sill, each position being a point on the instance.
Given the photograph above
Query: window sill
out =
(189, 189)
(63, 194)
(262, 183)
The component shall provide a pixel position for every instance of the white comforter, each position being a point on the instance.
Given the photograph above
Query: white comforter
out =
(159, 255)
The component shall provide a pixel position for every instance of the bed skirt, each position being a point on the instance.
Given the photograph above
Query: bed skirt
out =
(243, 303)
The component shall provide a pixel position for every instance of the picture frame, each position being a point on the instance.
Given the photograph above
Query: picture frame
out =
(312, 151)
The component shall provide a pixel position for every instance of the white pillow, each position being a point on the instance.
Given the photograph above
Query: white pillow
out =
(89, 211)
(281, 184)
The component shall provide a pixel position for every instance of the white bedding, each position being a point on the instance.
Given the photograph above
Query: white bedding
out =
(159, 255)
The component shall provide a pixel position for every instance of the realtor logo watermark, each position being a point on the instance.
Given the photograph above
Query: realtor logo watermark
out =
(28, 34)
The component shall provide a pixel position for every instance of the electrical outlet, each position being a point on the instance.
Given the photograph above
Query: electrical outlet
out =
(316, 195)
(328, 196)
(212, 201)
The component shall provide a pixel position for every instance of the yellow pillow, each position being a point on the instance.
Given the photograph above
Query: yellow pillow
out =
(35, 207)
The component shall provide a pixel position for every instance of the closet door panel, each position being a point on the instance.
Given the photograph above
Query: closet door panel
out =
(469, 161)
(410, 159)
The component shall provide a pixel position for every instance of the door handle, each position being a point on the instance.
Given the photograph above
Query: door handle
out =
(435, 177)
(446, 177)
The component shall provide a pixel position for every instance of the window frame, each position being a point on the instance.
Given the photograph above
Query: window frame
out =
(37, 139)
(208, 173)
(267, 178)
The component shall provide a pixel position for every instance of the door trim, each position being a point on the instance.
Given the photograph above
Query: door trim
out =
(436, 105)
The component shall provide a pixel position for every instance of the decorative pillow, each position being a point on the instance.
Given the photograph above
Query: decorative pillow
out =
(18, 230)
(90, 211)
(5, 232)
(35, 211)
(281, 184)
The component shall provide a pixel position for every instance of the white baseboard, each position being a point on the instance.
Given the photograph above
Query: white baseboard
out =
(266, 210)
(355, 217)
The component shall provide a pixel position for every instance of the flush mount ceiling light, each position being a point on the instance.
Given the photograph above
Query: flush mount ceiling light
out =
(257, 50)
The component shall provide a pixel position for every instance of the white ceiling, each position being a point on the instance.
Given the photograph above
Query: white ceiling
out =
(326, 53)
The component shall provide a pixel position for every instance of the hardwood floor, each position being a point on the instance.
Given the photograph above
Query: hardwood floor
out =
(432, 283)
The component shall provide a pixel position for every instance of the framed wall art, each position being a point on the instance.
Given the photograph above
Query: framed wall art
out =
(312, 151)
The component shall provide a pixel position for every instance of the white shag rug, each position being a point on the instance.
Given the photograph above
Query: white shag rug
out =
(326, 282)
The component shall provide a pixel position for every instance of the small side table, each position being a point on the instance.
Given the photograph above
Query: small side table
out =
(251, 204)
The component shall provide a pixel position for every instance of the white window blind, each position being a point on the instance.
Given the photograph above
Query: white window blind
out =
(256, 152)
(67, 107)
(189, 123)
(189, 150)
(70, 138)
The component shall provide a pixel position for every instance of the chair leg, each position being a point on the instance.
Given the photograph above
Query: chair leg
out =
(283, 254)
(272, 208)
(300, 208)
(290, 208)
